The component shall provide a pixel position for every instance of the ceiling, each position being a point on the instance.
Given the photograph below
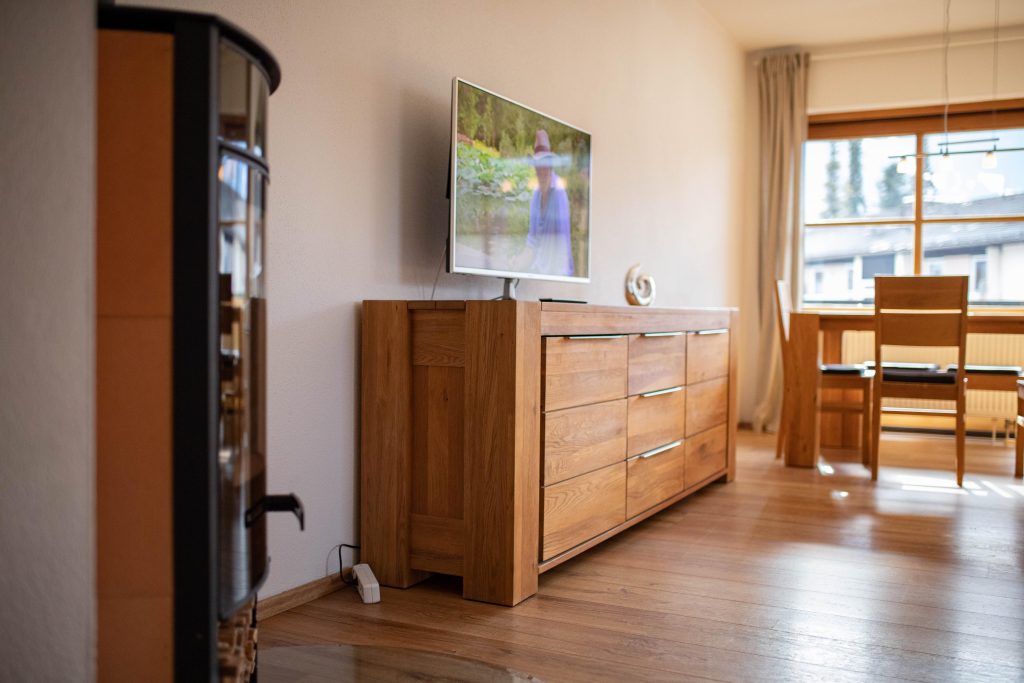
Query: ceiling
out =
(758, 24)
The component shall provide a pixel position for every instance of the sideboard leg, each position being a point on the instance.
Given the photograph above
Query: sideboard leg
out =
(734, 393)
(386, 443)
(502, 451)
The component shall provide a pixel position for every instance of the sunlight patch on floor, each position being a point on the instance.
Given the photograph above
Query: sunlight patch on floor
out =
(933, 489)
(996, 489)
(929, 482)
(943, 485)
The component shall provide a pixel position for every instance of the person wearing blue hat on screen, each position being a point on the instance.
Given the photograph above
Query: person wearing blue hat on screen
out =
(549, 237)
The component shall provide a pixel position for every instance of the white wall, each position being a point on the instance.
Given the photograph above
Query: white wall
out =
(908, 72)
(47, 459)
(359, 135)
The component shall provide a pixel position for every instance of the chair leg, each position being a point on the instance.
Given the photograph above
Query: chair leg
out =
(960, 434)
(876, 429)
(865, 424)
(1018, 470)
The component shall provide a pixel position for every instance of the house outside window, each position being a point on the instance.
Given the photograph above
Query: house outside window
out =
(881, 197)
(979, 277)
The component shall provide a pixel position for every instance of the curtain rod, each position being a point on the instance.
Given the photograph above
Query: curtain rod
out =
(827, 57)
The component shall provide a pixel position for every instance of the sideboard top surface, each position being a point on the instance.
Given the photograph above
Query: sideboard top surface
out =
(559, 319)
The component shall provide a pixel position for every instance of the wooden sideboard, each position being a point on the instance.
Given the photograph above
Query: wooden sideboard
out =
(501, 438)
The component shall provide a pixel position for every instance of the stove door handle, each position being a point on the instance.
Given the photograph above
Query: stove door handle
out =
(281, 503)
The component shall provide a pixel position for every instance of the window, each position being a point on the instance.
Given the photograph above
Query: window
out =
(867, 213)
(881, 264)
(979, 277)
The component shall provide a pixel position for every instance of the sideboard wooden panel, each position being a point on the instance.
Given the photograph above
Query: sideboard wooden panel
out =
(656, 360)
(654, 479)
(580, 508)
(582, 439)
(655, 420)
(582, 370)
(501, 476)
(386, 438)
(707, 355)
(502, 438)
(706, 454)
(707, 406)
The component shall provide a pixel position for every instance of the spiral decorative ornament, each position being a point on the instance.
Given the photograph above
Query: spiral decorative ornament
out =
(639, 287)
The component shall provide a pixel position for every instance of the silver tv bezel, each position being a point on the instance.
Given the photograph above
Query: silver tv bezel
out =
(452, 267)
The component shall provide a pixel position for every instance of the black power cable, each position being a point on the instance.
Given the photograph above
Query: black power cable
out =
(341, 564)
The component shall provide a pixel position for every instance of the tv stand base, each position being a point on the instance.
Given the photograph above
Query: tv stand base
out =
(508, 293)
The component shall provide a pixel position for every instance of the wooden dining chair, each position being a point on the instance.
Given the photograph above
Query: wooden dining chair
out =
(832, 376)
(922, 311)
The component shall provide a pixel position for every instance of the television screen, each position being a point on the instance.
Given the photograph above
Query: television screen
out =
(520, 190)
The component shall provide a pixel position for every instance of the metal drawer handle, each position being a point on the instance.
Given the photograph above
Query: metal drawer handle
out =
(596, 336)
(721, 330)
(662, 334)
(660, 392)
(659, 449)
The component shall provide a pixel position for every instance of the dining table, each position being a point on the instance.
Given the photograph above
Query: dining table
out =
(816, 337)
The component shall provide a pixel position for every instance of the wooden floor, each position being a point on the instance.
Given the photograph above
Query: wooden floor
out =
(783, 574)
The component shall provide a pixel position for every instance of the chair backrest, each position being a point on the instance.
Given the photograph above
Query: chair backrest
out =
(783, 307)
(921, 311)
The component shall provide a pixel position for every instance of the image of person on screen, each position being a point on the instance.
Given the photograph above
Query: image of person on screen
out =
(549, 241)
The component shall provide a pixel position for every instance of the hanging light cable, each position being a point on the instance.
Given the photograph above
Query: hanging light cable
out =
(946, 162)
(905, 162)
(989, 161)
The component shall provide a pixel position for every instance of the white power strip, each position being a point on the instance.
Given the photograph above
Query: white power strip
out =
(366, 583)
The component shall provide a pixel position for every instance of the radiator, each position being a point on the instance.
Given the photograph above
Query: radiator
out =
(982, 349)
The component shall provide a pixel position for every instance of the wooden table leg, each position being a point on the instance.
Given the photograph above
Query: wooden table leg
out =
(804, 437)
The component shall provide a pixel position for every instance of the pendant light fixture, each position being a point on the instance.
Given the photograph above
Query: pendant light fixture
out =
(905, 163)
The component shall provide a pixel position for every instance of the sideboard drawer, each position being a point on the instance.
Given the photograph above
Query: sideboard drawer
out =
(707, 355)
(656, 360)
(582, 439)
(707, 405)
(580, 508)
(654, 478)
(705, 455)
(655, 418)
(582, 370)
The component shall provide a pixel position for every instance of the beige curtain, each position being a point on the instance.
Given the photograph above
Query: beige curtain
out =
(782, 89)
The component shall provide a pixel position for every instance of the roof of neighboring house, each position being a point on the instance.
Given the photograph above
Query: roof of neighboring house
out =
(823, 245)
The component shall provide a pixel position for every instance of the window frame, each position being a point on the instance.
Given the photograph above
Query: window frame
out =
(917, 121)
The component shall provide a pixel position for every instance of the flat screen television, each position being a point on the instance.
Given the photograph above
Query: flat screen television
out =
(520, 190)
